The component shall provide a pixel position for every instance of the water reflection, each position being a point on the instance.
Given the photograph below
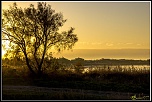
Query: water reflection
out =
(120, 68)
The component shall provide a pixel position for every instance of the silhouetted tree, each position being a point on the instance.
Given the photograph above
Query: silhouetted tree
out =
(64, 60)
(33, 31)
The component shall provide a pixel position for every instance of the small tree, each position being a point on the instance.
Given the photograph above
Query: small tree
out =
(33, 31)
(78, 65)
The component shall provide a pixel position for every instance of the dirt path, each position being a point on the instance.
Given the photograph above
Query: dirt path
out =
(34, 89)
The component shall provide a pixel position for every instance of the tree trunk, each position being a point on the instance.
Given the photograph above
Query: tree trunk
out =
(40, 65)
(28, 64)
(42, 60)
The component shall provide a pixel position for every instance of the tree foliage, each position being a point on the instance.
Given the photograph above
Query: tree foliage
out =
(33, 31)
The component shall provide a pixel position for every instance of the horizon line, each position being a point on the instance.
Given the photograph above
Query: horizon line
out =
(110, 49)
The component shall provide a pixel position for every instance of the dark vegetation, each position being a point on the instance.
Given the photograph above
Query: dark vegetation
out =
(61, 76)
(105, 61)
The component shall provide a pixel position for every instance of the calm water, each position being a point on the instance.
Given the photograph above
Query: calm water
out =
(120, 68)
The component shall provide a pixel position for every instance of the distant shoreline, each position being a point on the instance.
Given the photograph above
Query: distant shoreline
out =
(94, 54)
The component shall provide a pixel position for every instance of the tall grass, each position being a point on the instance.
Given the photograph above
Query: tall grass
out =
(103, 79)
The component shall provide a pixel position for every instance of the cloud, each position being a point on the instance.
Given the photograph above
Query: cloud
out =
(109, 44)
(96, 43)
(128, 43)
(99, 43)
(138, 44)
(92, 43)
(83, 43)
(119, 43)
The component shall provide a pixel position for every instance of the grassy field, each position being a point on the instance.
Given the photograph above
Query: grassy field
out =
(44, 93)
(70, 85)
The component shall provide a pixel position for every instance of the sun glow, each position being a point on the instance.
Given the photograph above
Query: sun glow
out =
(5, 47)
(3, 52)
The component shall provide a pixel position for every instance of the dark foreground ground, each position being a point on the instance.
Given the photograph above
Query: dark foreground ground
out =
(44, 93)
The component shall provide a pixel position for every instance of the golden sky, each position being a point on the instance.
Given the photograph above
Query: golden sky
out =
(104, 25)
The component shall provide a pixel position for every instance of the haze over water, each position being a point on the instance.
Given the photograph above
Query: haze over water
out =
(91, 54)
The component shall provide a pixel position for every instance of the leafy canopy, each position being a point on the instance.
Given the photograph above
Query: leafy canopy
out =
(33, 31)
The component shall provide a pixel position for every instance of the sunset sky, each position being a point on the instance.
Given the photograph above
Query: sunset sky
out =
(104, 25)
